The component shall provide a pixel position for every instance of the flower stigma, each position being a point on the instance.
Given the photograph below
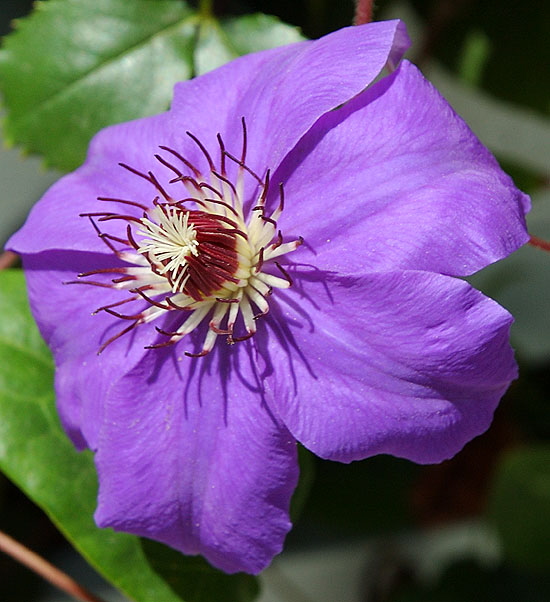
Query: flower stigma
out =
(208, 254)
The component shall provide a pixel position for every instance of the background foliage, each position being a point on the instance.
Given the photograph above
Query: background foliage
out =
(74, 66)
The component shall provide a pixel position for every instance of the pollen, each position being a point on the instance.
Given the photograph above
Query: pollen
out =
(168, 242)
(202, 251)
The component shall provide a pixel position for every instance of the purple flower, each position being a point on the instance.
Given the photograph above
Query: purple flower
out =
(302, 227)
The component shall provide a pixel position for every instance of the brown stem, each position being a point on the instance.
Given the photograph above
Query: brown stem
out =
(7, 260)
(540, 243)
(363, 12)
(46, 570)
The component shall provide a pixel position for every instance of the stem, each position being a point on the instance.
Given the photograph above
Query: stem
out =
(7, 260)
(46, 570)
(205, 8)
(363, 12)
(540, 243)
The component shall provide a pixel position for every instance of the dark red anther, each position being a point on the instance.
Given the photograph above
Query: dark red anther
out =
(269, 220)
(160, 345)
(284, 273)
(203, 150)
(224, 179)
(122, 316)
(217, 330)
(260, 260)
(187, 163)
(185, 254)
(168, 333)
(265, 188)
(123, 202)
(245, 141)
(110, 217)
(102, 271)
(279, 241)
(131, 238)
(281, 206)
(169, 165)
(200, 354)
(244, 337)
(110, 305)
(117, 336)
(158, 304)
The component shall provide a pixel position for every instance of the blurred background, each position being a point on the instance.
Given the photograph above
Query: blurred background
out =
(476, 527)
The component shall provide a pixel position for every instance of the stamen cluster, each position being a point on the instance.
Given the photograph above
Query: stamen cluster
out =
(200, 254)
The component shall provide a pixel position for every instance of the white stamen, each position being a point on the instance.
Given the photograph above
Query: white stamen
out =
(169, 242)
(167, 275)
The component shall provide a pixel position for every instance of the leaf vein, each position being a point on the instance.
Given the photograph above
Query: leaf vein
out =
(44, 103)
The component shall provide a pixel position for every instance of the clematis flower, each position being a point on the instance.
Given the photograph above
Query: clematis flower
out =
(278, 258)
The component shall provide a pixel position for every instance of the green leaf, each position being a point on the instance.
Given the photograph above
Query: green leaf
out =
(520, 506)
(76, 66)
(37, 456)
(219, 42)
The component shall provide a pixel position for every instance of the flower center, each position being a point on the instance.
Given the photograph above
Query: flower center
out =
(201, 255)
(195, 251)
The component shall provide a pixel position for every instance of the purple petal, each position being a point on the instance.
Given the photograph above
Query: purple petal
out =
(396, 180)
(409, 363)
(64, 315)
(56, 223)
(282, 92)
(190, 456)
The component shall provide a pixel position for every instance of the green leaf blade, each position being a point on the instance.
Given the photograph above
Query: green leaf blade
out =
(75, 66)
(519, 506)
(221, 41)
(70, 69)
(88, 65)
(38, 457)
